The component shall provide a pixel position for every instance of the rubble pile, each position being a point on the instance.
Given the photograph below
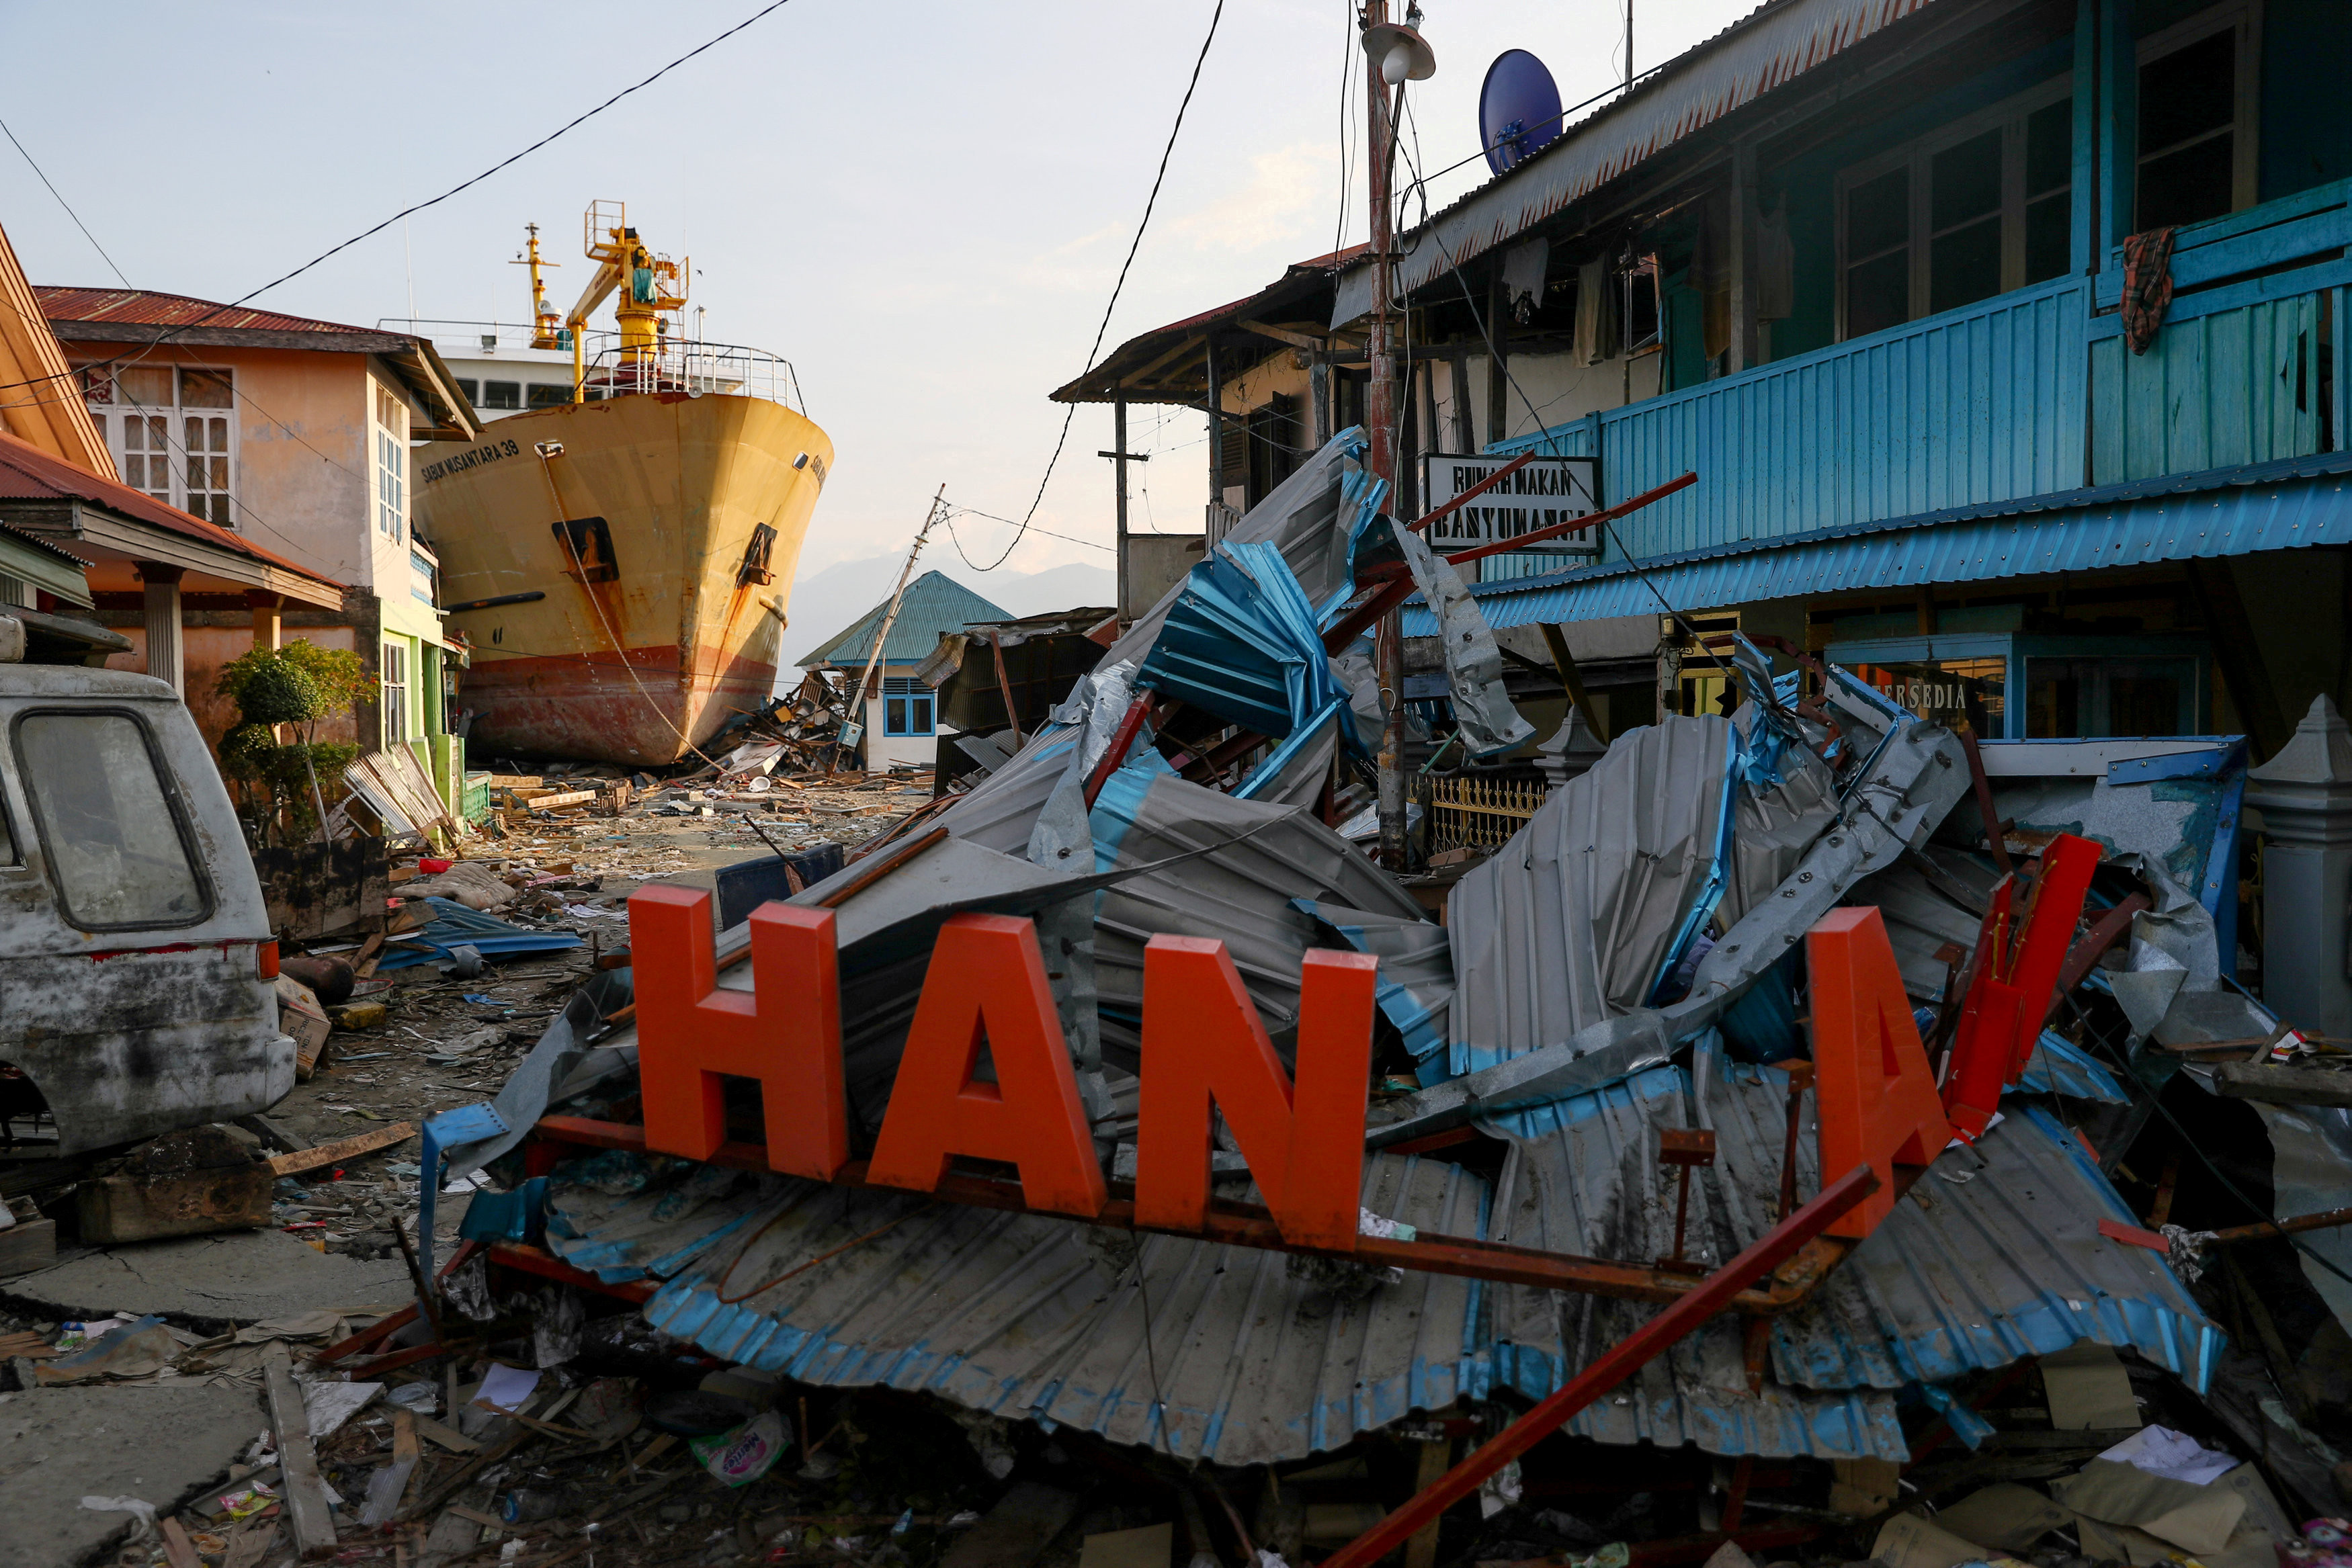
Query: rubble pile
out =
(2099, 1317)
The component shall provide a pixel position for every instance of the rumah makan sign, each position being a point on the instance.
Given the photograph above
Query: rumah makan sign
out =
(1203, 1044)
(1545, 491)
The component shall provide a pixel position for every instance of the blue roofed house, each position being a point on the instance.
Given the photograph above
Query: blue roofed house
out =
(901, 713)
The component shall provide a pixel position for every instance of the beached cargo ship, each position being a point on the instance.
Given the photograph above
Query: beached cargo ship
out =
(619, 561)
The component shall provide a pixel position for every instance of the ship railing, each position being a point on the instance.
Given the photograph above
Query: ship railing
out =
(698, 369)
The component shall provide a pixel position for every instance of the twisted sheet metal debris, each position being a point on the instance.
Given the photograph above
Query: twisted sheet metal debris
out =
(1032, 1317)
(1996, 1254)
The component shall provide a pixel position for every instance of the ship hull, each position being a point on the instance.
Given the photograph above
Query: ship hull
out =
(645, 569)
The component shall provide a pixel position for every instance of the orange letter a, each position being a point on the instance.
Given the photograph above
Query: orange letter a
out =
(987, 980)
(1202, 1039)
(785, 1031)
(1877, 1100)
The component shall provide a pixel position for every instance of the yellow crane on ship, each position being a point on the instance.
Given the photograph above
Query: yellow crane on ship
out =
(649, 286)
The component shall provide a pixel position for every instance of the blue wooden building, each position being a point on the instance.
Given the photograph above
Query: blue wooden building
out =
(1862, 265)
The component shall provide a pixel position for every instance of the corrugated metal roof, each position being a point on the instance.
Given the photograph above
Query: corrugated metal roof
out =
(1772, 47)
(934, 605)
(1260, 860)
(2290, 504)
(1994, 1255)
(35, 560)
(28, 473)
(64, 306)
(1033, 1317)
(1571, 920)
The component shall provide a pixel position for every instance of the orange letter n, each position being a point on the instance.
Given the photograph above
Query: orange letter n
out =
(986, 982)
(1877, 1100)
(1203, 1040)
(785, 1031)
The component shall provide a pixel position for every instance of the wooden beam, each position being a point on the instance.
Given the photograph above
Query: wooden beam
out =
(305, 1491)
(349, 1148)
(1284, 335)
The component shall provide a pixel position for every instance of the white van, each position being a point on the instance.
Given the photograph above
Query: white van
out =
(136, 957)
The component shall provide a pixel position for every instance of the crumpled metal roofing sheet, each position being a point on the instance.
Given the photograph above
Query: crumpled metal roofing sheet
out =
(2289, 505)
(1570, 921)
(1415, 987)
(1772, 45)
(1994, 1255)
(1032, 1317)
(1240, 641)
(2060, 1067)
(1260, 858)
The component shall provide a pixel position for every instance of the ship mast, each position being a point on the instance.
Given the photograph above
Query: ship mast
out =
(547, 327)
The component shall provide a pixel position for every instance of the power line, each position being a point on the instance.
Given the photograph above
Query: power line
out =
(992, 517)
(454, 190)
(63, 202)
(1133, 246)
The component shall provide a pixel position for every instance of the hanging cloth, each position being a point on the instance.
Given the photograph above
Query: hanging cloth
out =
(2147, 285)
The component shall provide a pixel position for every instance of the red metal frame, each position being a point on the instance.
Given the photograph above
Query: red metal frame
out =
(1628, 1356)
(1246, 1225)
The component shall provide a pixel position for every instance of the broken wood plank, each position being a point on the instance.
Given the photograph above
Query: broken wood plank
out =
(564, 801)
(448, 1437)
(178, 1549)
(305, 1490)
(2275, 1085)
(349, 1148)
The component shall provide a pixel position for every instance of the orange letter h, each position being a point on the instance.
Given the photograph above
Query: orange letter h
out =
(785, 1031)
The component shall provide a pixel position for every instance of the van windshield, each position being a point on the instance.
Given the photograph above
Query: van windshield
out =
(113, 838)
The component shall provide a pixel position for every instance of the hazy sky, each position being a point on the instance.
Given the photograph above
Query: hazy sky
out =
(923, 205)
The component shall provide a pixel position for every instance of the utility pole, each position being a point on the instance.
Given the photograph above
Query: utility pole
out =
(889, 619)
(1388, 643)
(1120, 458)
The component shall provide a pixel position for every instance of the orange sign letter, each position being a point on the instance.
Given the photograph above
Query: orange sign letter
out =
(1203, 1040)
(784, 1032)
(987, 981)
(1877, 1099)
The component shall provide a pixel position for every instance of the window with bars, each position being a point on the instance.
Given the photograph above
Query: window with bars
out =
(1979, 207)
(908, 707)
(173, 431)
(390, 467)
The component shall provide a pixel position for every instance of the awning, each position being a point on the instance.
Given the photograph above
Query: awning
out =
(2290, 504)
(38, 563)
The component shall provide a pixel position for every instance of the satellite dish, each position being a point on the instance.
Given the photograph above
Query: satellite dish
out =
(1518, 110)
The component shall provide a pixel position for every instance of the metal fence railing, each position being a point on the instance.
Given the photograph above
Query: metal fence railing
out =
(1468, 813)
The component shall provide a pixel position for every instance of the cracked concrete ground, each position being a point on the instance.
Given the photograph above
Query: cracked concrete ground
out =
(161, 1444)
(209, 1281)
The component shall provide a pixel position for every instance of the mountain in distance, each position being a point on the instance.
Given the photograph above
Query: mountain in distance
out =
(826, 601)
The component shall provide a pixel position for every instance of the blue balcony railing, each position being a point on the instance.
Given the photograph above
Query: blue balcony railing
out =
(2025, 393)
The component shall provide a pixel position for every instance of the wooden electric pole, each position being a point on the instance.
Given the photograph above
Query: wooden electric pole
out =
(1388, 642)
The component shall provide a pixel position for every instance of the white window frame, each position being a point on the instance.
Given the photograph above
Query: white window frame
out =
(109, 416)
(2246, 110)
(2009, 116)
(389, 481)
(394, 685)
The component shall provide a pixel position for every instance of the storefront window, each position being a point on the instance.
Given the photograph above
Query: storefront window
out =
(1941, 690)
(2077, 698)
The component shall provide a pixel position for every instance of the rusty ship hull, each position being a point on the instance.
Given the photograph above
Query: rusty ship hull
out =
(620, 567)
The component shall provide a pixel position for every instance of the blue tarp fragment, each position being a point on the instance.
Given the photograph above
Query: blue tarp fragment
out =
(454, 925)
